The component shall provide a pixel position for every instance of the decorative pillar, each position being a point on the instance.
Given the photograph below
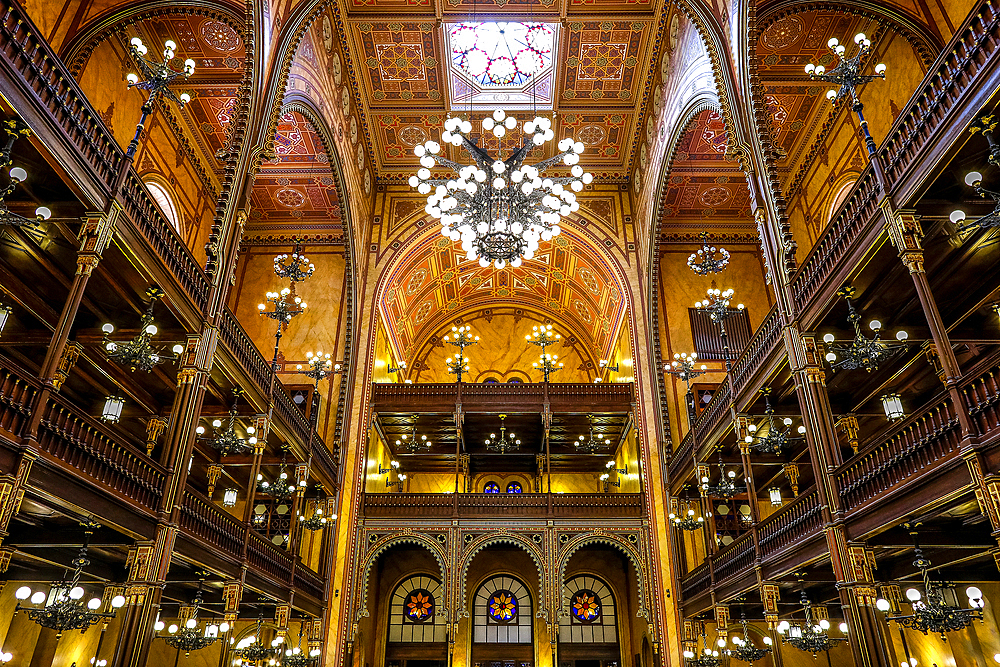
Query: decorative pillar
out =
(281, 613)
(94, 236)
(12, 486)
(857, 599)
(722, 620)
(814, 401)
(906, 234)
(194, 365)
(740, 426)
(770, 594)
(148, 564)
(791, 471)
(263, 425)
(214, 473)
(987, 488)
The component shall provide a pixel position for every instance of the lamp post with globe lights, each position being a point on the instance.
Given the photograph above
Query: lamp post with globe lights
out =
(155, 78)
(461, 337)
(847, 77)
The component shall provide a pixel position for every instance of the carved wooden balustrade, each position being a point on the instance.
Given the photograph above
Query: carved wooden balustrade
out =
(924, 449)
(505, 505)
(206, 521)
(503, 397)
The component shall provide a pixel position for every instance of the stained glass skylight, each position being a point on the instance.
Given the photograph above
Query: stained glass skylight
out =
(507, 64)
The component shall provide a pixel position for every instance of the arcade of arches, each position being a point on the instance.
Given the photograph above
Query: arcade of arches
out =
(239, 421)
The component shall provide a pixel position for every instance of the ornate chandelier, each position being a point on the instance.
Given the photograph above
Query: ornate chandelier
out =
(296, 267)
(776, 439)
(282, 488)
(499, 208)
(65, 609)
(707, 657)
(861, 352)
(686, 521)
(592, 444)
(934, 614)
(138, 353)
(507, 442)
(410, 442)
(191, 638)
(726, 487)
(317, 520)
(743, 649)
(255, 652)
(812, 637)
(708, 259)
(225, 440)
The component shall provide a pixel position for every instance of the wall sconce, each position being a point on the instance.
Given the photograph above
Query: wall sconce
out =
(396, 369)
(4, 316)
(393, 465)
(775, 495)
(112, 409)
(610, 466)
(229, 498)
(399, 482)
(606, 478)
(893, 406)
(606, 366)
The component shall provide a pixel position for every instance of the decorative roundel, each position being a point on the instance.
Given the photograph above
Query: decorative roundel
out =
(290, 197)
(345, 101)
(502, 607)
(491, 487)
(419, 606)
(337, 69)
(327, 33)
(220, 36)
(368, 182)
(354, 130)
(586, 606)
(514, 487)
(361, 157)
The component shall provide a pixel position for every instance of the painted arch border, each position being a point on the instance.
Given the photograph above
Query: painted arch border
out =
(630, 551)
(491, 539)
(384, 544)
(417, 242)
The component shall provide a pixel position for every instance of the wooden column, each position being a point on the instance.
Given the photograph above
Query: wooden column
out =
(906, 234)
(856, 586)
(148, 564)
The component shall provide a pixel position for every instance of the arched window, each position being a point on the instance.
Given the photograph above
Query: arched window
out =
(165, 202)
(503, 612)
(413, 611)
(491, 487)
(514, 381)
(591, 616)
(491, 381)
(514, 487)
(839, 199)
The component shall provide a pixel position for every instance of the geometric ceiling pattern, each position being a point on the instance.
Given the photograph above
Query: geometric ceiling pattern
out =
(598, 83)
(566, 280)
(297, 187)
(702, 183)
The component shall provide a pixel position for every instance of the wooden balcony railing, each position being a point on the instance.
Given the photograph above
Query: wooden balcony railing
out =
(308, 581)
(914, 446)
(765, 341)
(696, 581)
(961, 68)
(493, 397)
(523, 505)
(16, 397)
(164, 240)
(736, 558)
(268, 558)
(206, 521)
(36, 68)
(797, 520)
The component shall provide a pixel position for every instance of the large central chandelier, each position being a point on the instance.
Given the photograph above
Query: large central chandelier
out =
(499, 208)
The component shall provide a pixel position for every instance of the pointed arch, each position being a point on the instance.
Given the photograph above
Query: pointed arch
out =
(622, 545)
(383, 545)
(487, 540)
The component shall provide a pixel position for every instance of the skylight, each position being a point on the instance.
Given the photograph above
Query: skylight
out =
(507, 64)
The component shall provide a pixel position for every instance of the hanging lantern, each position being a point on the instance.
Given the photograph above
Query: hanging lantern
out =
(113, 409)
(229, 498)
(893, 406)
(775, 494)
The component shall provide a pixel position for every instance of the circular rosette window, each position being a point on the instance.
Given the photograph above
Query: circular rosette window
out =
(502, 607)
(586, 606)
(419, 606)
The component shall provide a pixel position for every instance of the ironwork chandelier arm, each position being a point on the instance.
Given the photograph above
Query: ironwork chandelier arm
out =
(555, 159)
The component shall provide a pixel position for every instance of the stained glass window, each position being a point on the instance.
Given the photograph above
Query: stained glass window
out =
(514, 487)
(419, 606)
(591, 612)
(413, 611)
(503, 607)
(502, 612)
(491, 487)
(508, 63)
(585, 606)
(501, 54)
